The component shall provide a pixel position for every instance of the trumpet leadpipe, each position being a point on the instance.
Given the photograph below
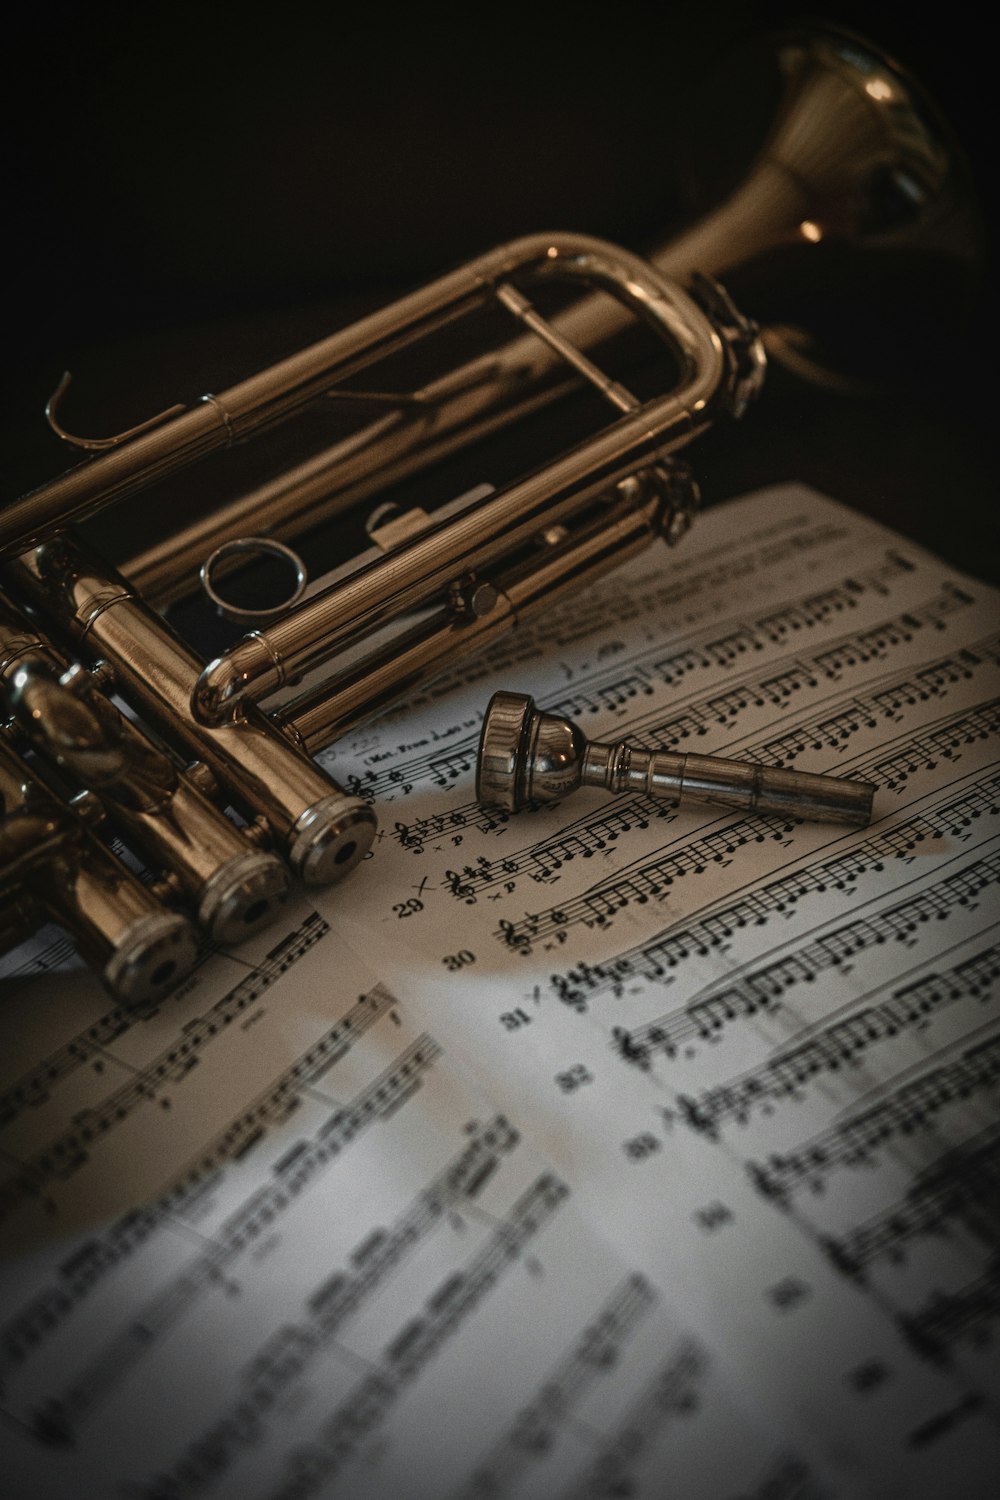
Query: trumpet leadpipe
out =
(272, 394)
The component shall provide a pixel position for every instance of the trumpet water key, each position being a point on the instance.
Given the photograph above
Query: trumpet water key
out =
(528, 756)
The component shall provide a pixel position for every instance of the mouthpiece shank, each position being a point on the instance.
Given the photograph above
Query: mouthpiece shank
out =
(727, 783)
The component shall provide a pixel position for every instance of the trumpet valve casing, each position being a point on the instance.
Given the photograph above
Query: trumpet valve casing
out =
(53, 868)
(322, 829)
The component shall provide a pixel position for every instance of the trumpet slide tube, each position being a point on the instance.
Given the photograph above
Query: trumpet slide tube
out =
(853, 143)
(273, 394)
(314, 631)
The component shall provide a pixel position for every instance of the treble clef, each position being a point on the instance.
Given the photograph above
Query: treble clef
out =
(519, 941)
(455, 884)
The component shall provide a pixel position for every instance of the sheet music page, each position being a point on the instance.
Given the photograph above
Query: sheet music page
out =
(612, 1149)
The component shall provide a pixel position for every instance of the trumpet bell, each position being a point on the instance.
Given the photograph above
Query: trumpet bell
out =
(857, 210)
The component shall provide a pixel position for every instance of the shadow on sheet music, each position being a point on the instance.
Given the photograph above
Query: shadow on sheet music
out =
(98, 1113)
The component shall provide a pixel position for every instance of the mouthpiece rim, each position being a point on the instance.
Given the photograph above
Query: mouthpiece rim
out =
(503, 750)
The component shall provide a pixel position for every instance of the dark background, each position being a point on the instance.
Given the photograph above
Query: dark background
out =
(193, 191)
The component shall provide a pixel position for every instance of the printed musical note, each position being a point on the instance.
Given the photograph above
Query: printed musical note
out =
(838, 1046)
(913, 1105)
(949, 1317)
(595, 1354)
(673, 1395)
(763, 987)
(698, 855)
(374, 1396)
(67, 1153)
(960, 1191)
(232, 1143)
(645, 672)
(330, 1305)
(35, 1086)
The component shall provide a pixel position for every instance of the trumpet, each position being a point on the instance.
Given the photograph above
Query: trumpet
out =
(854, 152)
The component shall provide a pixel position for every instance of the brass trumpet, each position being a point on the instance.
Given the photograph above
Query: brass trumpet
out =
(853, 150)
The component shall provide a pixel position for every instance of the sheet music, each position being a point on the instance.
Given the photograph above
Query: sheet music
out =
(589, 1152)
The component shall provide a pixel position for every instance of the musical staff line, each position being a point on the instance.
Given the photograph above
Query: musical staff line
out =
(961, 1188)
(596, 831)
(949, 816)
(674, 1394)
(824, 947)
(783, 677)
(597, 906)
(98, 1257)
(910, 1107)
(925, 750)
(779, 683)
(951, 1317)
(592, 834)
(564, 626)
(772, 688)
(593, 1354)
(59, 1416)
(310, 1468)
(34, 1087)
(453, 823)
(67, 1153)
(49, 955)
(716, 651)
(288, 1353)
(837, 1045)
